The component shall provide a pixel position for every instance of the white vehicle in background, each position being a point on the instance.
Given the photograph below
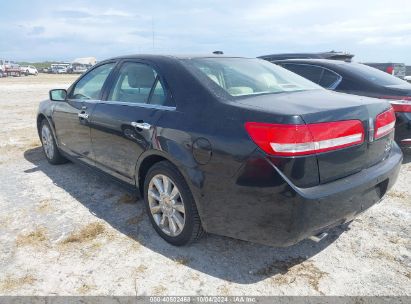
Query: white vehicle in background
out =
(59, 68)
(29, 70)
(407, 78)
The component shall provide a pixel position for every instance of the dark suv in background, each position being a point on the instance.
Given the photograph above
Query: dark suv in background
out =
(360, 79)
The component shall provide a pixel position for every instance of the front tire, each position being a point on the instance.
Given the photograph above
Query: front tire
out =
(170, 205)
(50, 149)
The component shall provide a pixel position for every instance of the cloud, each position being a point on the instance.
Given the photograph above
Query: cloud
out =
(72, 14)
(36, 30)
(62, 30)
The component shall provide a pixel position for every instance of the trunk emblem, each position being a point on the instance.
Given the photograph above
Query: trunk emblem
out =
(388, 146)
(371, 130)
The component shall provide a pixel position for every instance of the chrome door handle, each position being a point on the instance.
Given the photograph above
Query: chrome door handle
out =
(141, 125)
(83, 115)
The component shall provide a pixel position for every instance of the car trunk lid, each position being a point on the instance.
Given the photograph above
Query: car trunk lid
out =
(319, 106)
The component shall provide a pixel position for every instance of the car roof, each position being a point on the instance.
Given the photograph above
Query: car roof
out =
(315, 61)
(320, 55)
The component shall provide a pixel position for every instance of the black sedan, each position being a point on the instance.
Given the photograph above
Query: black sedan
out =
(233, 146)
(359, 79)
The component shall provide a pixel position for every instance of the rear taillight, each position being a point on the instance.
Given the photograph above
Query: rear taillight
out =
(400, 103)
(293, 140)
(384, 123)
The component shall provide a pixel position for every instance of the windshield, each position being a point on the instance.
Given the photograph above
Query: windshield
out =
(243, 77)
(376, 76)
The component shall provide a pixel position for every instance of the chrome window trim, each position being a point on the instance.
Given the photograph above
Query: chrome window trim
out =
(158, 78)
(133, 104)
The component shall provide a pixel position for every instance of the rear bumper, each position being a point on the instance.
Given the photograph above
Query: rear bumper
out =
(335, 203)
(280, 214)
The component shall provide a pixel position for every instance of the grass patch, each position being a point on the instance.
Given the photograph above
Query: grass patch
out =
(12, 283)
(287, 271)
(182, 260)
(45, 206)
(85, 288)
(397, 194)
(136, 219)
(140, 270)
(85, 234)
(127, 199)
(33, 238)
(159, 290)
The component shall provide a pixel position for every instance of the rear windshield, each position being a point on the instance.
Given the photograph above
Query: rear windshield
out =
(375, 76)
(243, 76)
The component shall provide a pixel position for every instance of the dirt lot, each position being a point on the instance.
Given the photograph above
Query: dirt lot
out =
(66, 231)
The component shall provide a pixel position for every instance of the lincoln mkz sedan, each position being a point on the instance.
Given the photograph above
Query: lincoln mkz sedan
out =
(233, 146)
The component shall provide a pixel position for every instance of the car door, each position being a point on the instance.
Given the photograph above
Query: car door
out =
(123, 124)
(71, 118)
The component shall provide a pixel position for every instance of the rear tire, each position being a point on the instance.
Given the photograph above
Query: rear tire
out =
(170, 205)
(50, 148)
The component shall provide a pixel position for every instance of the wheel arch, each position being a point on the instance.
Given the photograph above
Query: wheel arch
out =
(193, 176)
(40, 117)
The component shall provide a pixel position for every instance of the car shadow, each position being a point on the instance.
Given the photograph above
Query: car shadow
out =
(221, 257)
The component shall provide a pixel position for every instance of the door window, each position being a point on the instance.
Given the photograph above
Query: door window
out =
(158, 95)
(135, 84)
(90, 85)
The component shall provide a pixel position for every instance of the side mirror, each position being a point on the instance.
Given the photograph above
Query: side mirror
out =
(58, 95)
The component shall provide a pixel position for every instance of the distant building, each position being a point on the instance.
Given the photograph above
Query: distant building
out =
(80, 65)
(85, 61)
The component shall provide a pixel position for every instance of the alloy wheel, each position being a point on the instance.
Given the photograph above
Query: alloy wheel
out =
(166, 205)
(47, 140)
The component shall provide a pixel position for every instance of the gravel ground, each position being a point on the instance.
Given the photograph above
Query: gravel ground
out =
(66, 231)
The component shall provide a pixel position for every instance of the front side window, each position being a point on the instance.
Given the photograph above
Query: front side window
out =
(90, 85)
(138, 83)
(244, 76)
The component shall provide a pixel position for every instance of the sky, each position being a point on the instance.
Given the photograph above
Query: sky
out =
(38, 30)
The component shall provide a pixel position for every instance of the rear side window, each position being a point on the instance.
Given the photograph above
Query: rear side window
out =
(329, 79)
(90, 85)
(310, 72)
(138, 83)
(324, 77)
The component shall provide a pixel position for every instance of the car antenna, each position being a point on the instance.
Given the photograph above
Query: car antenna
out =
(218, 53)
